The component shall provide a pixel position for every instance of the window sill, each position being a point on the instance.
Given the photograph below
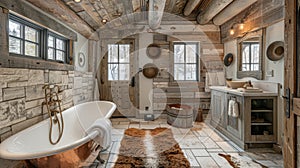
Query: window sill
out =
(14, 61)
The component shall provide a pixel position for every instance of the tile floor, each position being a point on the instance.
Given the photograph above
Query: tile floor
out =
(201, 145)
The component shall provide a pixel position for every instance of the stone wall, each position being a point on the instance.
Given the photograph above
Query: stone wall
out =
(22, 94)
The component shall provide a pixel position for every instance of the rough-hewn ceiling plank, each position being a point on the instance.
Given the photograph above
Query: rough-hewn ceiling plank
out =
(156, 9)
(232, 10)
(190, 6)
(59, 10)
(215, 7)
(90, 10)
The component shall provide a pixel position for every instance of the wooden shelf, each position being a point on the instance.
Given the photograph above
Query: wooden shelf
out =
(261, 123)
(262, 111)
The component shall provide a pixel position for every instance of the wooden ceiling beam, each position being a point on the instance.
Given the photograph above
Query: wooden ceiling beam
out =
(91, 11)
(232, 10)
(60, 11)
(156, 10)
(191, 6)
(215, 7)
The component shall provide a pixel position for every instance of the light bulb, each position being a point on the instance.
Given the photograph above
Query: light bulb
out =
(104, 20)
(231, 31)
(241, 26)
(77, 1)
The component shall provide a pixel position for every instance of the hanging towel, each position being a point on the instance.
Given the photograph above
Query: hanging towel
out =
(103, 127)
(230, 107)
(235, 109)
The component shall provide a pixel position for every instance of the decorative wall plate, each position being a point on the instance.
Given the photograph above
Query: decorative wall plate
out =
(150, 70)
(228, 59)
(81, 59)
(153, 51)
(275, 51)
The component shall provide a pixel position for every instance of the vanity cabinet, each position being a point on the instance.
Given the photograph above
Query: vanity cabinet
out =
(256, 122)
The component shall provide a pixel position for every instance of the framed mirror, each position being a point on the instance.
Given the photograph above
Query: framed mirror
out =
(250, 55)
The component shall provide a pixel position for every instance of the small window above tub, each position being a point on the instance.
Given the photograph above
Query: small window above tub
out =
(57, 48)
(24, 38)
(35, 46)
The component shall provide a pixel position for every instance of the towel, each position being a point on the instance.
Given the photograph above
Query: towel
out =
(104, 127)
(230, 107)
(235, 109)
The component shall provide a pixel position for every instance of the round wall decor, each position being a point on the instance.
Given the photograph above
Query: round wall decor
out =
(275, 51)
(150, 70)
(153, 51)
(228, 59)
(81, 59)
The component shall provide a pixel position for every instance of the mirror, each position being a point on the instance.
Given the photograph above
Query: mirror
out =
(250, 55)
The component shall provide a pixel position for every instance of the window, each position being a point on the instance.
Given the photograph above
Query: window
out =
(24, 38)
(250, 60)
(186, 61)
(118, 62)
(30, 40)
(57, 48)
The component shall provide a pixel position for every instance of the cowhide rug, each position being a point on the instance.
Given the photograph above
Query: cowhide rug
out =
(150, 148)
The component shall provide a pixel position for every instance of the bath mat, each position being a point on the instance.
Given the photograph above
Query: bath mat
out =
(150, 148)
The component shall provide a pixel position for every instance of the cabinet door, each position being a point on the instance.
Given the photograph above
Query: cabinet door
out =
(234, 124)
(217, 108)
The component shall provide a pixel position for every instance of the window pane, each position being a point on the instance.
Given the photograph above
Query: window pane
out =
(179, 71)
(60, 44)
(191, 53)
(124, 53)
(60, 55)
(254, 67)
(113, 53)
(31, 49)
(246, 67)
(14, 29)
(179, 53)
(190, 72)
(255, 53)
(15, 45)
(50, 53)
(113, 70)
(50, 41)
(124, 71)
(31, 34)
(246, 53)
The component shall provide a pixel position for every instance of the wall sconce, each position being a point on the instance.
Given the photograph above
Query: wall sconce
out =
(240, 25)
(104, 21)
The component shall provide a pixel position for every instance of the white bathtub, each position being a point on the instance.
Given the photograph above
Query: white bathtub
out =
(33, 142)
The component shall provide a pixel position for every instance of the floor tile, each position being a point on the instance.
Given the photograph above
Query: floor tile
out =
(227, 147)
(200, 152)
(222, 162)
(207, 162)
(191, 158)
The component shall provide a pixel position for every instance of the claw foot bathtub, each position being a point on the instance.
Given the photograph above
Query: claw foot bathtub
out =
(75, 146)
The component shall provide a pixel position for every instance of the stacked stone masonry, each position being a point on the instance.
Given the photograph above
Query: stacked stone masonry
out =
(22, 95)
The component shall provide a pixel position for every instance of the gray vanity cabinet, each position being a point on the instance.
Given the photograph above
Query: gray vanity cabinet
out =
(218, 110)
(256, 123)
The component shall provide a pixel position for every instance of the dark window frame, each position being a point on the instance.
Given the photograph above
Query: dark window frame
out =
(185, 63)
(118, 63)
(42, 43)
(66, 46)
